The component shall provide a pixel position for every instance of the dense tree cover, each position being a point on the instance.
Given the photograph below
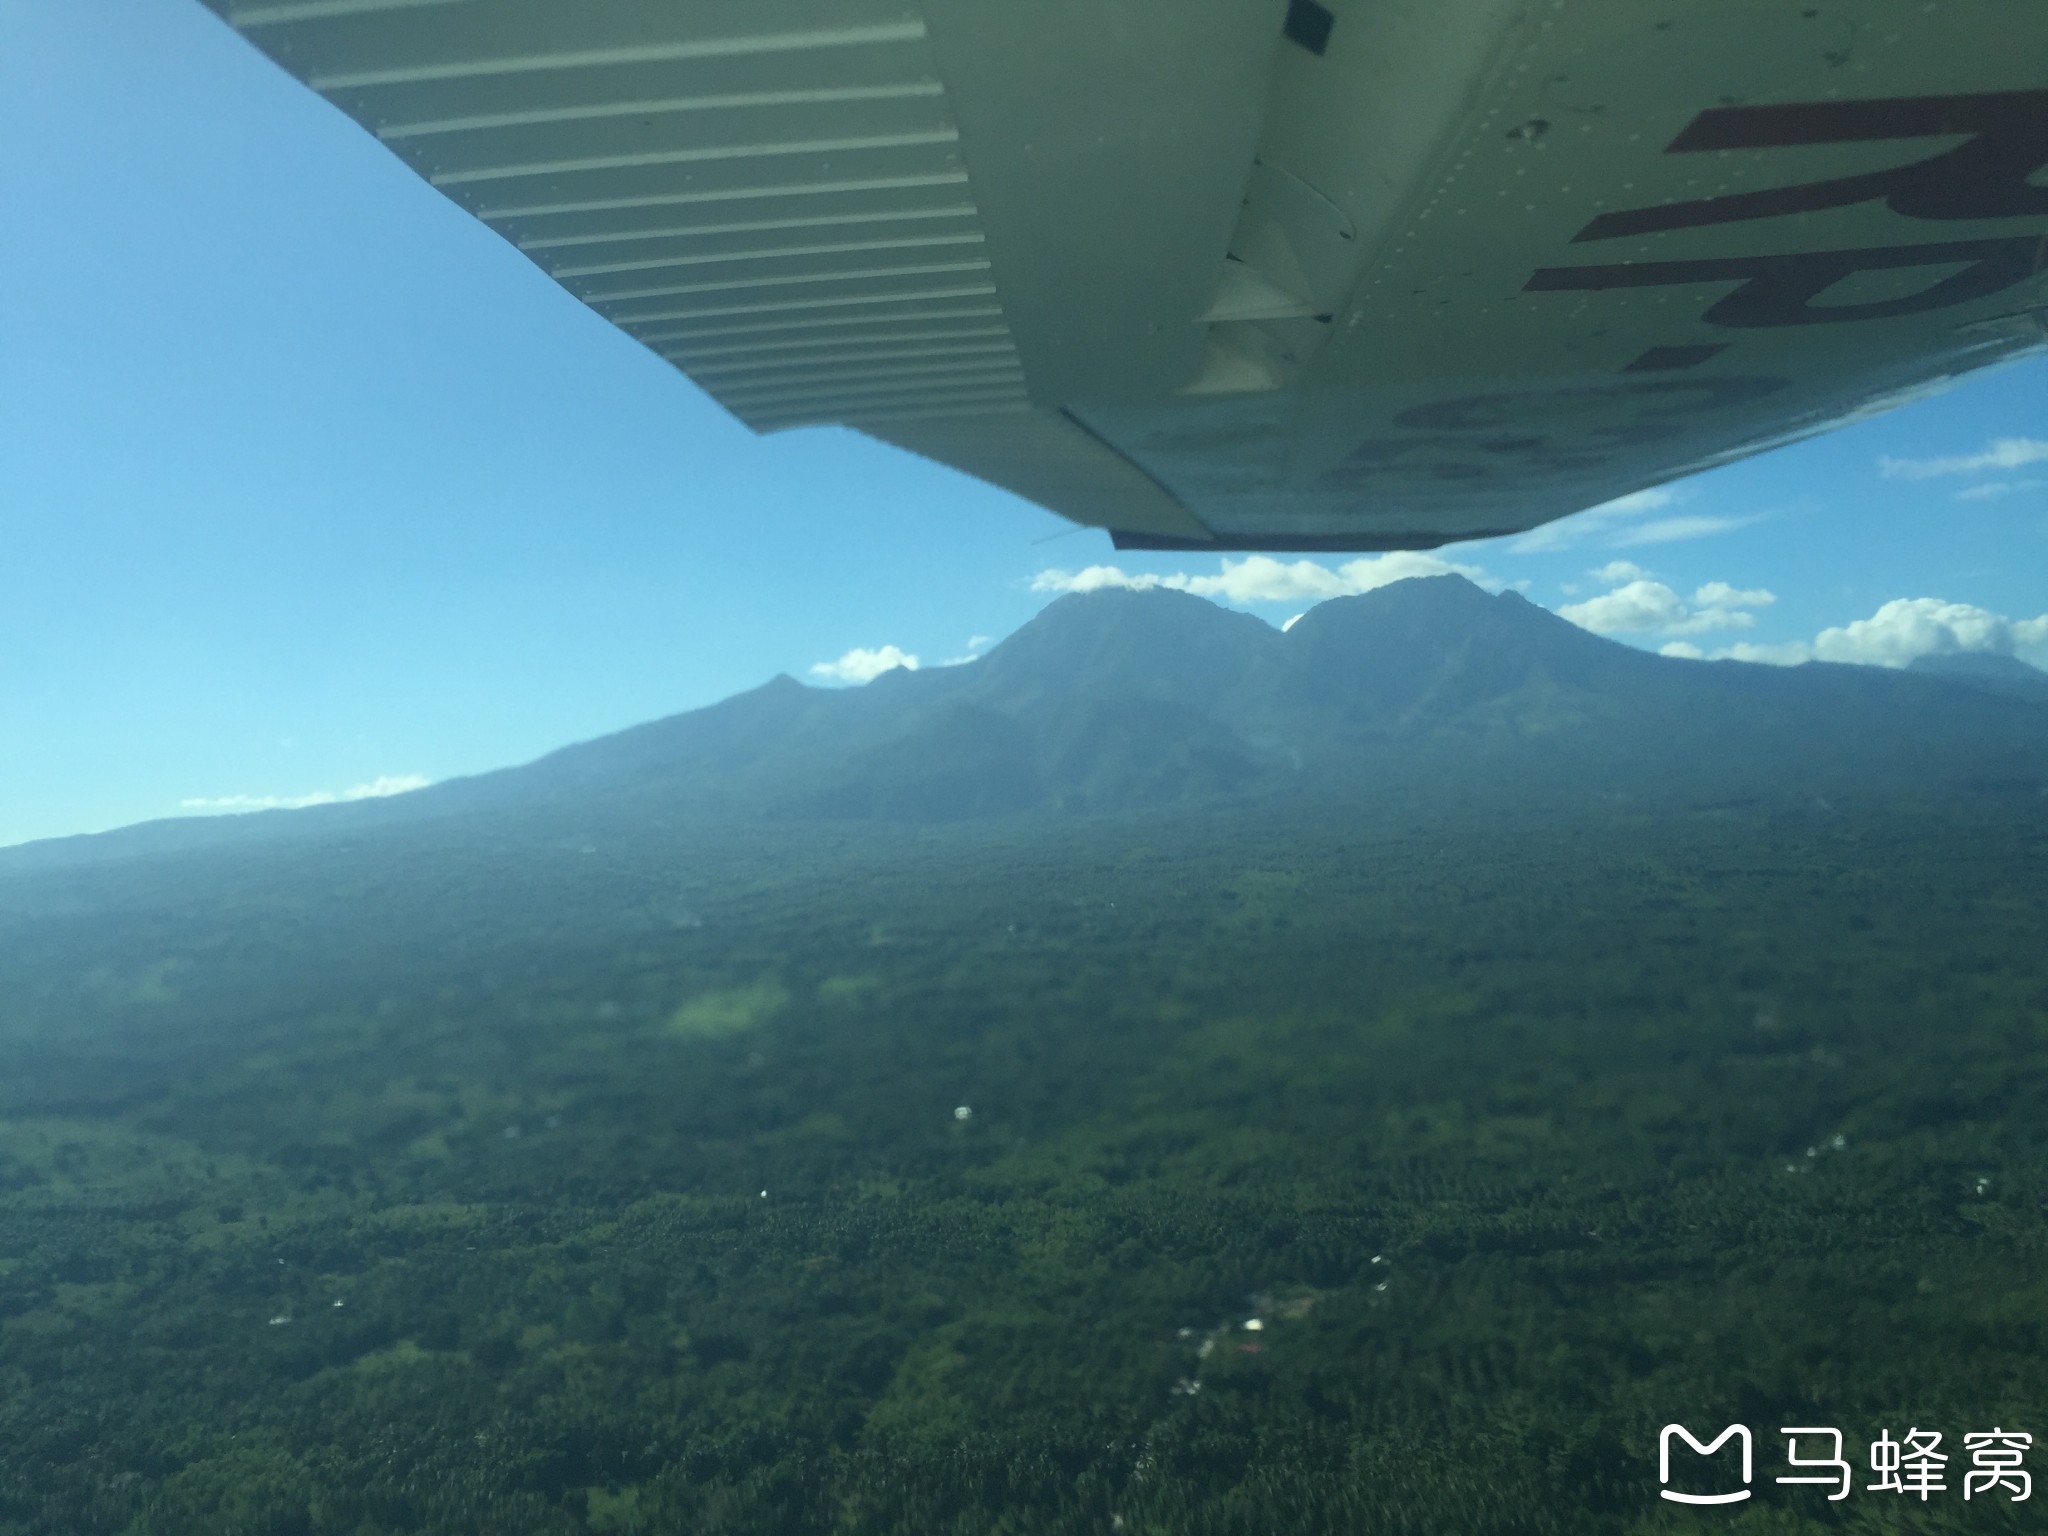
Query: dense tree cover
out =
(523, 1188)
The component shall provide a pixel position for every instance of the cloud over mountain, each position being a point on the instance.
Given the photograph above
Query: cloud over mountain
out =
(1897, 635)
(379, 788)
(1262, 579)
(861, 665)
(1642, 606)
(1910, 627)
(1119, 701)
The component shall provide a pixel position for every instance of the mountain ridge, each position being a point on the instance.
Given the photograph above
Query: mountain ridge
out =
(1127, 700)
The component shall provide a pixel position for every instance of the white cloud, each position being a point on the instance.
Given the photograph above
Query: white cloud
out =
(1633, 609)
(1993, 488)
(1704, 621)
(860, 665)
(2005, 453)
(1909, 627)
(976, 642)
(1594, 522)
(1614, 572)
(1619, 524)
(1718, 594)
(1685, 650)
(1642, 607)
(1653, 499)
(1292, 622)
(375, 789)
(1788, 653)
(1669, 530)
(1902, 630)
(386, 784)
(1262, 579)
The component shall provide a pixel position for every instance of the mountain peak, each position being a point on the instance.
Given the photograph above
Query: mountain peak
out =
(1987, 671)
(1976, 664)
(1156, 640)
(1120, 700)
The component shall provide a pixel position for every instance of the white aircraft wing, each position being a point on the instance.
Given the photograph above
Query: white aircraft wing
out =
(1250, 274)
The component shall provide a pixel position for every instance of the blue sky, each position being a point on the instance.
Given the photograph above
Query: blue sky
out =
(308, 483)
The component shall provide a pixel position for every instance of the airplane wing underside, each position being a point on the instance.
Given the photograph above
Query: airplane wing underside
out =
(1250, 274)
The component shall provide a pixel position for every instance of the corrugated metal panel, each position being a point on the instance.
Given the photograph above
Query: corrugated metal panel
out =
(779, 208)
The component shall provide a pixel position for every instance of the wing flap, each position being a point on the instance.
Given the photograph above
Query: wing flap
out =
(772, 193)
(1049, 458)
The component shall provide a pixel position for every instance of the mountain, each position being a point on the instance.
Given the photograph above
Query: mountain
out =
(1988, 670)
(1123, 701)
